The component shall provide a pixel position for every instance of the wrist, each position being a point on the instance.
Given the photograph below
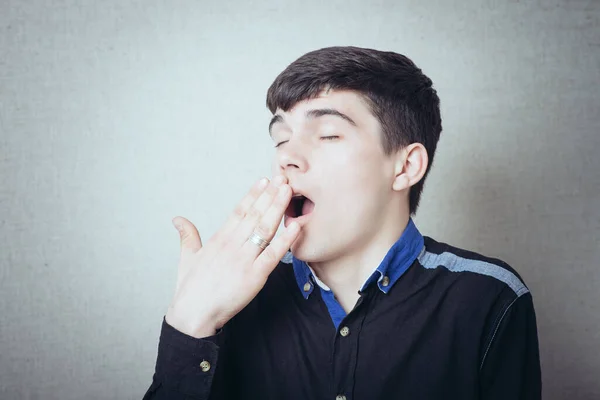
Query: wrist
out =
(197, 327)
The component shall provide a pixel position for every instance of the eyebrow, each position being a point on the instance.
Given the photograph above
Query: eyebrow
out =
(312, 114)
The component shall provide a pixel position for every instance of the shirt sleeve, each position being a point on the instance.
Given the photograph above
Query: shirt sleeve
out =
(510, 367)
(185, 366)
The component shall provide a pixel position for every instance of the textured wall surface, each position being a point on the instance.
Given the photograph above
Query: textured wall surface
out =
(116, 116)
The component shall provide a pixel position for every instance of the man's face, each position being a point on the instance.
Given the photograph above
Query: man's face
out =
(330, 150)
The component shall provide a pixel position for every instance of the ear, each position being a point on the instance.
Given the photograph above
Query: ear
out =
(411, 164)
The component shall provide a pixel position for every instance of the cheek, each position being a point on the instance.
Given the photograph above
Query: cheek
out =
(363, 179)
(357, 171)
(361, 169)
(354, 186)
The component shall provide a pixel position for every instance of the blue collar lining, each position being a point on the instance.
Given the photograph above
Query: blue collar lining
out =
(398, 259)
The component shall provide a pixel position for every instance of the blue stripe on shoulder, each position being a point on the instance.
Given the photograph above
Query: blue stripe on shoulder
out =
(454, 263)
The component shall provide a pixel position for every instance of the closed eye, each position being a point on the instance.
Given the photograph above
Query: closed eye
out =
(323, 138)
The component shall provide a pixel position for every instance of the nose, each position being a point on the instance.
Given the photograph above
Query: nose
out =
(292, 157)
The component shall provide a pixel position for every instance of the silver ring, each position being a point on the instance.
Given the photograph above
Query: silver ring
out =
(259, 241)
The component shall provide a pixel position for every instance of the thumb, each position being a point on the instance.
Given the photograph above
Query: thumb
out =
(188, 234)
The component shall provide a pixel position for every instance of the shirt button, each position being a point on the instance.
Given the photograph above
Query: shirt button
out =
(205, 366)
(385, 281)
(340, 397)
(306, 287)
(345, 331)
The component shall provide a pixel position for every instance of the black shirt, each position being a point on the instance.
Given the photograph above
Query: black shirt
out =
(452, 325)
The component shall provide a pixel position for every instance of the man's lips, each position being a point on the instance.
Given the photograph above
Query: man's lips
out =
(299, 210)
(300, 207)
(300, 220)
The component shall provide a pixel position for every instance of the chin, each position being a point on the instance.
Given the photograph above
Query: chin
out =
(311, 250)
(302, 249)
(299, 247)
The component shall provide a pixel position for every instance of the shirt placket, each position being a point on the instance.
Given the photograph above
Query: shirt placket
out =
(345, 351)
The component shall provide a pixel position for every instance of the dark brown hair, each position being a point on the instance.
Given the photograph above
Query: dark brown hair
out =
(400, 96)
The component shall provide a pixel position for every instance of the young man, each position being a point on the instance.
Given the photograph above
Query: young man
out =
(362, 306)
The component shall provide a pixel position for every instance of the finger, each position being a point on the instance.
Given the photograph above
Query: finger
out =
(256, 213)
(190, 244)
(270, 257)
(241, 209)
(269, 223)
(188, 234)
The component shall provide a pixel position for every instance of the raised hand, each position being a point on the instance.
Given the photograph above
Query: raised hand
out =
(217, 280)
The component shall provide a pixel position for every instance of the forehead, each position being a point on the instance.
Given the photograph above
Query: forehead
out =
(345, 101)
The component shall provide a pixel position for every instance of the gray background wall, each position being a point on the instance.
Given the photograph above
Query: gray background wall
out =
(116, 116)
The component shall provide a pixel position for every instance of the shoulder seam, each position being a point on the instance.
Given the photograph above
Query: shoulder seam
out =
(495, 332)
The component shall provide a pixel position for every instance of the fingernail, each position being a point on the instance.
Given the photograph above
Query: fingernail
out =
(262, 183)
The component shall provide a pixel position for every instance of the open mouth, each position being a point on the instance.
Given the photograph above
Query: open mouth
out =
(299, 206)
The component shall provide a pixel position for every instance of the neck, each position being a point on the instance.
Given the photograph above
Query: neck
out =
(346, 274)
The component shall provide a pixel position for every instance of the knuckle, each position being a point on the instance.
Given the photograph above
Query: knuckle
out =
(272, 190)
(253, 213)
(264, 230)
(184, 235)
(239, 212)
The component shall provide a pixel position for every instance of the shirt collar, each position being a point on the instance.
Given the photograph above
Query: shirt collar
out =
(397, 260)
